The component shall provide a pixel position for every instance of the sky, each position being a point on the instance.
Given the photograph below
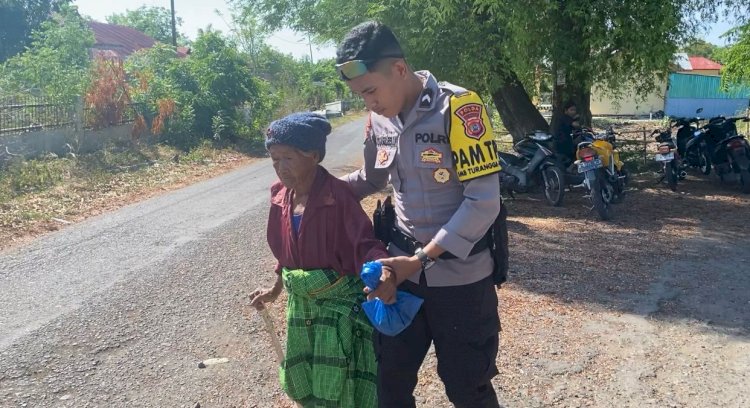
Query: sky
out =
(198, 14)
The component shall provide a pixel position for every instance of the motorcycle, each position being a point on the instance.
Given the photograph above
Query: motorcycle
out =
(534, 164)
(669, 158)
(692, 147)
(604, 175)
(729, 150)
(606, 145)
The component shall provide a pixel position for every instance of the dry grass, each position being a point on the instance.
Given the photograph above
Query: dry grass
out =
(106, 181)
(39, 196)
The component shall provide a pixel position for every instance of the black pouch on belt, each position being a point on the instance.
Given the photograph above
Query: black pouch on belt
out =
(384, 220)
(499, 247)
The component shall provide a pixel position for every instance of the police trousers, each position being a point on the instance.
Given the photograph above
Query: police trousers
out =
(463, 324)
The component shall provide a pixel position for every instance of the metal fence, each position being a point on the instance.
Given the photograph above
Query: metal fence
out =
(635, 143)
(29, 114)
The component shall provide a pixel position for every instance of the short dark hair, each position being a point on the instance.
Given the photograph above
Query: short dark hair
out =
(370, 40)
(568, 105)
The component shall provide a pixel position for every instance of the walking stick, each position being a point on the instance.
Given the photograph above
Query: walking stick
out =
(271, 329)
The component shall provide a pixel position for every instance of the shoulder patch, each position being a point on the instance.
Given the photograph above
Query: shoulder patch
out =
(471, 138)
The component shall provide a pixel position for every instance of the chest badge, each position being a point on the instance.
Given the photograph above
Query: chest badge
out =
(383, 156)
(431, 155)
(442, 176)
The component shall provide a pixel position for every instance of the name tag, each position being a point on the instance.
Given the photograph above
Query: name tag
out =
(387, 145)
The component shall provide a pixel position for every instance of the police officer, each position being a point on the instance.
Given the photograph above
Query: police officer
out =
(434, 143)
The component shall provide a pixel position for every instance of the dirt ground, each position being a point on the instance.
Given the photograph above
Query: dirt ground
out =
(650, 309)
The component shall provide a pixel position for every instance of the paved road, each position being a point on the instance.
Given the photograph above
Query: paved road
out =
(131, 289)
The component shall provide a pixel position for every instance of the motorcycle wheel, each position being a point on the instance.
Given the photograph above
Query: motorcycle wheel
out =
(672, 175)
(601, 203)
(554, 185)
(704, 162)
(745, 180)
(619, 185)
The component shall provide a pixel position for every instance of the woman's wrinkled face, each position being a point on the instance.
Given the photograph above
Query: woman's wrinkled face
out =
(292, 165)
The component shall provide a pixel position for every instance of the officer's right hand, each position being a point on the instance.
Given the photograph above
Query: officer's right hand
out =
(403, 266)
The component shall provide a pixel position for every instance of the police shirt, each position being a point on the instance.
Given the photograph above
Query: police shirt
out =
(442, 164)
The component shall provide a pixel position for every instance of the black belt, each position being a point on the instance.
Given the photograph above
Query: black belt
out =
(410, 245)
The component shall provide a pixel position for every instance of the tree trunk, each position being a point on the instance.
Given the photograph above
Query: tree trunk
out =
(518, 114)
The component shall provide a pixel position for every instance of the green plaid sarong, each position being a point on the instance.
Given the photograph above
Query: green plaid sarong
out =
(330, 361)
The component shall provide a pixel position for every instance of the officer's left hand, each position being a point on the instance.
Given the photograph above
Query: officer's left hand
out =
(386, 290)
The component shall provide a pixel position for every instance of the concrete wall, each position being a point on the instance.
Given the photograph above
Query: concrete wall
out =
(33, 144)
(628, 103)
(684, 107)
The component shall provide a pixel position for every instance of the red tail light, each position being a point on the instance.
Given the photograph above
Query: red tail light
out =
(664, 149)
(587, 154)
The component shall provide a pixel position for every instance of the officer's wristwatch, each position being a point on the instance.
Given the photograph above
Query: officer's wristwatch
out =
(426, 261)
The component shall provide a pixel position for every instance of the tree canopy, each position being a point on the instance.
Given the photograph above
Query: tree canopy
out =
(18, 19)
(499, 47)
(702, 48)
(156, 22)
(735, 58)
(57, 61)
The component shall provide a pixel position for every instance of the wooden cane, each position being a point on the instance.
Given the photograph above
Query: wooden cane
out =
(271, 329)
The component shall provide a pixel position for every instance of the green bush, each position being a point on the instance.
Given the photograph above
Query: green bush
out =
(28, 176)
(214, 93)
(57, 62)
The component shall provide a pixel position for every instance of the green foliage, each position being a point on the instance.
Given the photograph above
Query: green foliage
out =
(483, 43)
(736, 69)
(27, 176)
(701, 48)
(293, 85)
(156, 22)
(249, 35)
(224, 80)
(18, 19)
(57, 63)
(214, 92)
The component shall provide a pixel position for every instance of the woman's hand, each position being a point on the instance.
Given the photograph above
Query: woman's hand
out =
(260, 296)
(386, 290)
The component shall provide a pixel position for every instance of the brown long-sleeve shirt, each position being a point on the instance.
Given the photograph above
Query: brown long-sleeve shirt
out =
(335, 232)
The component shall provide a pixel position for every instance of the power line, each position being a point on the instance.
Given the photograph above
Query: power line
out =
(289, 41)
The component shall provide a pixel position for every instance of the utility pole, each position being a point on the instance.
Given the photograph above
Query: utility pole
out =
(174, 26)
(310, 44)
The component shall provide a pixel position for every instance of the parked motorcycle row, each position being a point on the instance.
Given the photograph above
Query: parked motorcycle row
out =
(601, 176)
(597, 171)
(715, 146)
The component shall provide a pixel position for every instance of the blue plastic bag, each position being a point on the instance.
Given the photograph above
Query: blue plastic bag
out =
(388, 319)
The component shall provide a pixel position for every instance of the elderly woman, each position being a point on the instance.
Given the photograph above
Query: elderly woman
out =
(320, 237)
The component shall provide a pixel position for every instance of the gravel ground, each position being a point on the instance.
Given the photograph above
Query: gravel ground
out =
(650, 309)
